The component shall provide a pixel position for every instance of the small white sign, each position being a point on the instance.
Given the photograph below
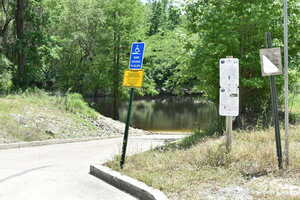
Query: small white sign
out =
(229, 102)
(270, 61)
(229, 87)
(229, 72)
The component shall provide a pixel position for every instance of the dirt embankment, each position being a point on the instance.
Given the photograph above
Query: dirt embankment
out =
(35, 122)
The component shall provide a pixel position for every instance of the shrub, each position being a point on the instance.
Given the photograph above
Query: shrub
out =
(34, 92)
(6, 83)
(75, 103)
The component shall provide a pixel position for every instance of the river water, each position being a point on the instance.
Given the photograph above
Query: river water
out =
(171, 114)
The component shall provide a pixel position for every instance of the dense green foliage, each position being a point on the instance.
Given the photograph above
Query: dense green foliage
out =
(237, 28)
(83, 46)
(6, 69)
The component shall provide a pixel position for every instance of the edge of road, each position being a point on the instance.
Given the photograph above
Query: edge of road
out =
(57, 141)
(132, 186)
(18, 145)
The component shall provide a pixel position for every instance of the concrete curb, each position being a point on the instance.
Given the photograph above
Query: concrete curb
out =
(55, 141)
(135, 188)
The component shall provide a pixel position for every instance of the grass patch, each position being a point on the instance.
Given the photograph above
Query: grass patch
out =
(177, 171)
(74, 102)
(294, 103)
(70, 102)
(186, 142)
(199, 135)
(35, 115)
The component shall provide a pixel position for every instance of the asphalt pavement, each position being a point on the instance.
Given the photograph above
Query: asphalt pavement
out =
(60, 172)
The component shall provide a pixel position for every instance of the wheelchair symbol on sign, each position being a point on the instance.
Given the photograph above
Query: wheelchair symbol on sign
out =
(137, 50)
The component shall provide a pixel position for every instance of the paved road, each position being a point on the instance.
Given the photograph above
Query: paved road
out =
(60, 172)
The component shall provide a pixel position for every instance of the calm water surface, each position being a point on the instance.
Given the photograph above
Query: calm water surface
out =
(164, 114)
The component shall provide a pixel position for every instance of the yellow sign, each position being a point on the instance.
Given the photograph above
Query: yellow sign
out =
(133, 78)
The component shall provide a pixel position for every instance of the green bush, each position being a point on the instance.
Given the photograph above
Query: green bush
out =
(6, 83)
(34, 92)
(75, 103)
(71, 102)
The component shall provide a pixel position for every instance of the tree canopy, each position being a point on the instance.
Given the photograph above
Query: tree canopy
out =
(84, 45)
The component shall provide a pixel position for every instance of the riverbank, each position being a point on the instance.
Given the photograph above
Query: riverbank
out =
(36, 116)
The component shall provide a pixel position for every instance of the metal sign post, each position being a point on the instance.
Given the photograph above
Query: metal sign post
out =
(274, 97)
(229, 94)
(286, 83)
(133, 78)
(125, 138)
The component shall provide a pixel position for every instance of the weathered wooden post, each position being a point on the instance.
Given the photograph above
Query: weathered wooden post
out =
(229, 94)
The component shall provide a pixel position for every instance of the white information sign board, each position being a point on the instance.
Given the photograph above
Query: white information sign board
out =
(229, 72)
(229, 83)
(229, 102)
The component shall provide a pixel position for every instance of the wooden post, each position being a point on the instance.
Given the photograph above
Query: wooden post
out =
(228, 133)
(228, 129)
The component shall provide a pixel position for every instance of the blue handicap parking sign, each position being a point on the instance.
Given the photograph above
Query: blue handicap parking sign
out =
(136, 55)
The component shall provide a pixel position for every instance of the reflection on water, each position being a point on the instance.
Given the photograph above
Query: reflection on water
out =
(165, 114)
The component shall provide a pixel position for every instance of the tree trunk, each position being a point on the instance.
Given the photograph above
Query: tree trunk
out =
(116, 72)
(19, 18)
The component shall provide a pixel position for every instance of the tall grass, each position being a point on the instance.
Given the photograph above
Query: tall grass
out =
(71, 102)
(74, 102)
(175, 170)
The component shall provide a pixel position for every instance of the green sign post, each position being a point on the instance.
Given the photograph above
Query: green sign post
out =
(125, 138)
(133, 78)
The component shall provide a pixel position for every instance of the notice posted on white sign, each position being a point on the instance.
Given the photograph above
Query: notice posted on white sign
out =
(229, 87)
(229, 72)
(229, 102)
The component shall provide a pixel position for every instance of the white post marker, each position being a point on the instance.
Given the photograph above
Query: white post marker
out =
(229, 94)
